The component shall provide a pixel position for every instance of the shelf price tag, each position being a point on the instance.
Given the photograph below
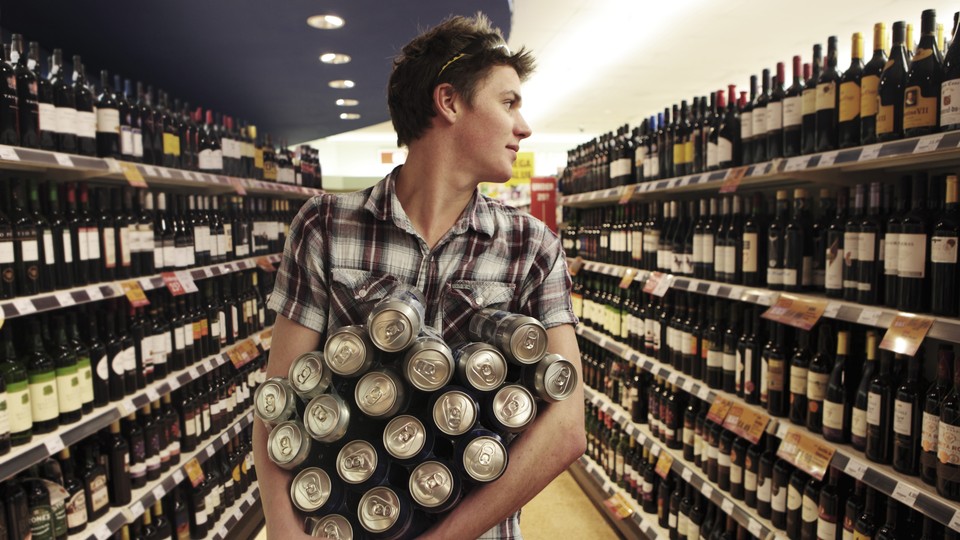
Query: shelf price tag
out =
(906, 333)
(194, 472)
(719, 409)
(796, 163)
(63, 159)
(870, 152)
(869, 317)
(733, 179)
(746, 422)
(855, 469)
(186, 280)
(173, 283)
(618, 506)
(906, 494)
(132, 174)
(796, 311)
(8, 153)
(135, 293)
(238, 186)
(806, 453)
(627, 279)
(928, 144)
(575, 266)
(658, 284)
(627, 193)
(828, 159)
(664, 462)
(955, 521)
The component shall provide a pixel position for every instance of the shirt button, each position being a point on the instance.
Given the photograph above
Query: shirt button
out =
(480, 300)
(361, 293)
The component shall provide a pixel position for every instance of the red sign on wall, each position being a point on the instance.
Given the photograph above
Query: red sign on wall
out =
(543, 200)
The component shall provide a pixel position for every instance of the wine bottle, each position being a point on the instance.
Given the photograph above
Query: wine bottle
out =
(67, 374)
(890, 92)
(950, 87)
(870, 85)
(943, 254)
(913, 287)
(798, 245)
(810, 97)
(777, 373)
(46, 113)
(729, 145)
(827, 213)
(799, 363)
(28, 110)
(851, 245)
(746, 123)
(892, 242)
(931, 414)
(759, 119)
(108, 120)
(888, 531)
(880, 411)
(861, 400)
(86, 111)
(849, 127)
(64, 103)
(47, 255)
(778, 493)
(44, 404)
(776, 241)
(76, 505)
(9, 103)
(754, 250)
(793, 112)
(818, 377)
(869, 251)
(828, 98)
(118, 459)
(836, 409)
(907, 418)
(921, 94)
(775, 114)
(834, 252)
(948, 440)
(810, 514)
(829, 508)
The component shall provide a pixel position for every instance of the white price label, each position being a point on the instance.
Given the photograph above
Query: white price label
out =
(159, 492)
(24, 306)
(855, 469)
(222, 532)
(782, 431)
(663, 286)
(136, 509)
(126, 407)
(755, 528)
(186, 279)
(727, 506)
(768, 299)
(149, 170)
(146, 284)
(832, 309)
(178, 476)
(704, 393)
(796, 164)
(95, 293)
(955, 522)
(869, 316)
(152, 393)
(224, 438)
(210, 451)
(65, 299)
(102, 532)
(54, 445)
(672, 379)
(687, 474)
(8, 153)
(906, 494)
(828, 159)
(928, 143)
(714, 287)
(63, 159)
(655, 450)
(163, 172)
(194, 374)
(870, 152)
(673, 183)
(607, 486)
(707, 490)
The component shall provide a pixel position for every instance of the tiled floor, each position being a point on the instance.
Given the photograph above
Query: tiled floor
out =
(559, 511)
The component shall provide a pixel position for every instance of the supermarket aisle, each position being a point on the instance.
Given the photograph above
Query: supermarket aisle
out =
(560, 511)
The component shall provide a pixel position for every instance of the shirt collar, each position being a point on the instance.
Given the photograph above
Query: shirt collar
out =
(384, 205)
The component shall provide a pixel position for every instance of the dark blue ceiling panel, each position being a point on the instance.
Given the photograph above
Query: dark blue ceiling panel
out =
(255, 60)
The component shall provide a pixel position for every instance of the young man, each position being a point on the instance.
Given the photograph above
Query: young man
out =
(454, 98)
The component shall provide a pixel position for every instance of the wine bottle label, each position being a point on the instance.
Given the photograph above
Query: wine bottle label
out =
(76, 510)
(948, 444)
(66, 121)
(886, 115)
(849, 101)
(41, 523)
(950, 102)
(809, 104)
(943, 249)
(126, 140)
(44, 404)
(858, 423)
(918, 110)
(109, 248)
(759, 128)
(20, 410)
(826, 529)
(67, 242)
(750, 480)
(68, 389)
(798, 380)
(764, 488)
(833, 415)
(912, 256)
(750, 244)
(794, 499)
(103, 368)
(29, 250)
(873, 408)
(851, 252)
(903, 418)
(683, 522)
(672, 521)
(866, 247)
(891, 257)
(713, 160)
(793, 111)
(928, 438)
(723, 460)
(93, 243)
(811, 512)
(108, 121)
(86, 124)
(790, 276)
(714, 359)
(869, 86)
(724, 150)
(775, 373)
(774, 116)
(125, 246)
(746, 126)
(778, 501)
(826, 96)
(6, 252)
(137, 142)
(47, 116)
(729, 259)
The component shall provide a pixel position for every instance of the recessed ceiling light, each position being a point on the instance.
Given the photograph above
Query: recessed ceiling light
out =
(325, 22)
(341, 83)
(349, 116)
(334, 58)
(347, 102)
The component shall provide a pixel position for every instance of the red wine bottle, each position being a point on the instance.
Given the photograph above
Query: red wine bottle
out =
(907, 417)
(870, 84)
(809, 127)
(828, 99)
(775, 114)
(890, 90)
(931, 414)
(793, 112)
(850, 92)
(921, 94)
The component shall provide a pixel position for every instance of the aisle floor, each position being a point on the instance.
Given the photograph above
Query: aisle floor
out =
(559, 511)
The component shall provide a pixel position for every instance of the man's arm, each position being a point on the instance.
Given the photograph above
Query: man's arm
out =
(554, 441)
(290, 340)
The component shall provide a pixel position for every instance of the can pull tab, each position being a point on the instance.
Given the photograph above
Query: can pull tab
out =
(562, 379)
(321, 413)
(405, 434)
(530, 339)
(515, 405)
(426, 369)
(485, 371)
(357, 461)
(332, 531)
(484, 459)
(380, 508)
(453, 410)
(392, 330)
(430, 482)
(344, 353)
(374, 395)
(270, 404)
(312, 491)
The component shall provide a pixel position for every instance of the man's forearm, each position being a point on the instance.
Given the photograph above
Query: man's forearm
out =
(274, 485)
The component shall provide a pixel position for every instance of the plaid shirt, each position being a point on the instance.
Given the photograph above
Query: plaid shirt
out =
(345, 252)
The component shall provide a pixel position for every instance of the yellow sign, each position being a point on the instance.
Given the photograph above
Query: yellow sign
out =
(522, 169)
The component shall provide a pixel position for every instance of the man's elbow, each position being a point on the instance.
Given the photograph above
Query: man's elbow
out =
(575, 444)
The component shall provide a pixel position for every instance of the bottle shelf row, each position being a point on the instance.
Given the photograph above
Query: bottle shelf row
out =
(73, 167)
(943, 328)
(230, 520)
(47, 445)
(637, 524)
(25, 305)
(144, 497)
(929, 151)
(745, 516)
(908, 490)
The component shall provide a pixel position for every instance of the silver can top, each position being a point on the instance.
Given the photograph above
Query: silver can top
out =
(454, 413)
(428, 364)
(485, 459)
(356, 462)
(377, 394)
(514, 407)
(404, 437)
(559, 377)
(326, 418)
(394, 324)
(482, 365)
(431, 484)
(528, 340)
(274, 400)
(333, 527)
(310, 489)
(348, 351)
(308, 375)
(379, 509)
(287, 446)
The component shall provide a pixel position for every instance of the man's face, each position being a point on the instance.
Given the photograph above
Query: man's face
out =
(492, 128)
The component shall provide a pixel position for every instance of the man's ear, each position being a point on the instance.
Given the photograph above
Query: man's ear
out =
(446, 102)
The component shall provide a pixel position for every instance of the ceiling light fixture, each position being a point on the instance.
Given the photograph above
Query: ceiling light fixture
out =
(341, 83)
(334, 58)
(349, 116)
(326, 22)
(347, 102)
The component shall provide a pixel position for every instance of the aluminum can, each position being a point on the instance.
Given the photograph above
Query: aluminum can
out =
(407, 440)
(313, 491)
(434, 487)
(552, 379)
(288, 445)
(327, 418)
(309, 376)
(385, 513)
(361, 465)
(380, 394)
(512, 409)
(275, 401)
(522, 339)
(349, 352)
(333, 527)
(481, 456)
(454, 412)
(428, 364)
(480, 366)
(396, 320)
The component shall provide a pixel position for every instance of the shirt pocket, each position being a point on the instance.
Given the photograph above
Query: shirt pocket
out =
(461, 299)
(353, 293)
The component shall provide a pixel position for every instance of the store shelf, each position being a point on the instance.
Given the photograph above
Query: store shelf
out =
(943, 328)
(46, 445)
(143, 498)
(230, 519)
(907, 489)
(598, 487)
(25, 305)
(929, 151)
(67, 167)
(745, 516)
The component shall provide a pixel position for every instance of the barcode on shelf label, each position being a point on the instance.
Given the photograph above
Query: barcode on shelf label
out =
(223, 531)
(152, 393)
(95, 293)
(687, 474)
(655, 450)
(703, 393)
(832, 309)
(828, 159)
(928, 144)
(164, 172)
(178, 476)
(782, 431)
(714, 287)
(796, 164)
(224, 438)
(159, 492)
(755, 528)
(211, 451)
(870, 152)
(102, 532)
(126, 407)
(54, 444)
(955, 522)
(65, 299)
(906, 494)
(149, 170)
(855, 469)
(194, 374)
(707, 490)
(869, 316)
(672, 379)
(727, 506)
(136, 509)
(24, 306)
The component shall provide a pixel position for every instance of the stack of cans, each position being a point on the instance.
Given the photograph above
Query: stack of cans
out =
(388, 426)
